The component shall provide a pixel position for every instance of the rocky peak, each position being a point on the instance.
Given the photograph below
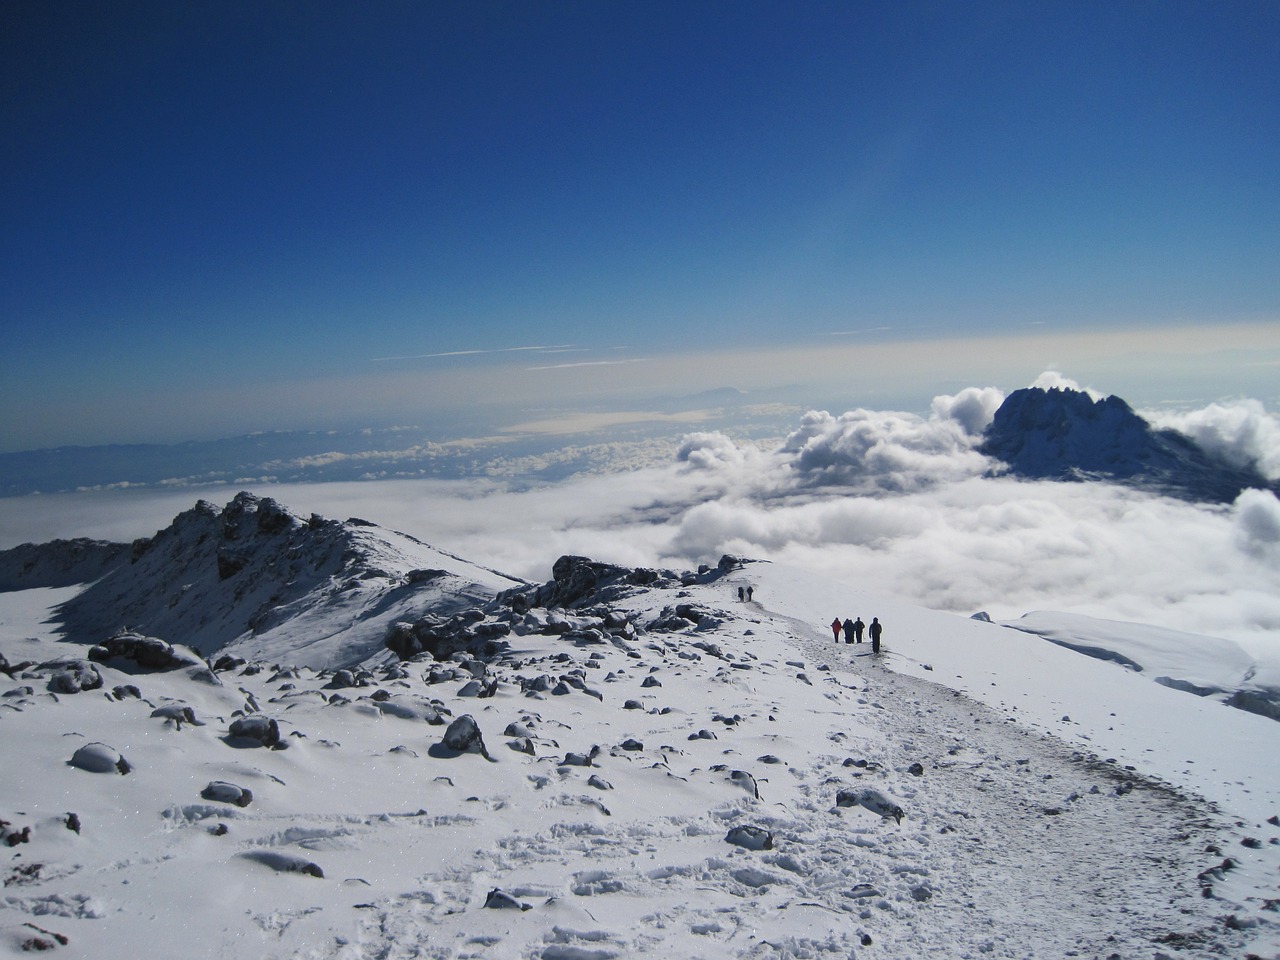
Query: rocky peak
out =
(1063, 434)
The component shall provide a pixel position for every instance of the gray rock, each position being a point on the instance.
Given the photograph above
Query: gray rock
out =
(750, 837)
(224, 792)
(259, 729)
(99, 758)
(463, 736)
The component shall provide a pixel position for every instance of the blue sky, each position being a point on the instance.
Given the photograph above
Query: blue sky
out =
(227, 217)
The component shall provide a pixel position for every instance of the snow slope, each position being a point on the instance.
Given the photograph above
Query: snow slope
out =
(622, 752)
(1206, 666)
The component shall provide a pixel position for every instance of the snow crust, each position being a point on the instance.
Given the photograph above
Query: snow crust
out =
(1053, 804)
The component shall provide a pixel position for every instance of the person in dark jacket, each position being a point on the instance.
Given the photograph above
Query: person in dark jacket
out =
(875, 631)
(847, 626)
(858, 627)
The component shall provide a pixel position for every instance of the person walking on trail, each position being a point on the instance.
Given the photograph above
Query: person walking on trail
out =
(835, 628)
(750, 592)
(741, 594)
(875, 634)
(847, 626)
(858, 627)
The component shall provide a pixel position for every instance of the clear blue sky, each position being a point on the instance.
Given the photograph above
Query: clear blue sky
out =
(207, 203)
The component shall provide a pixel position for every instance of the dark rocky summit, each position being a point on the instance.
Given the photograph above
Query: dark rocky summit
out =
(1059, 434)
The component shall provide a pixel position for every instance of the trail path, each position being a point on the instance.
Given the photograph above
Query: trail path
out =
(1035, 849)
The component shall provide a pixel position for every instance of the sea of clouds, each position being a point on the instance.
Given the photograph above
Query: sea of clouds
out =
(894, 502)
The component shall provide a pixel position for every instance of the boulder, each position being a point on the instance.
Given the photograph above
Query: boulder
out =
(261, 730)
(146, 653)
(224, 792)
(99, 758)
(463, 736)
(750, 837)
(71, 676)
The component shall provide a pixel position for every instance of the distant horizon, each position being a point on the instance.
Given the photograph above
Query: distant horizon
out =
(1183, 365)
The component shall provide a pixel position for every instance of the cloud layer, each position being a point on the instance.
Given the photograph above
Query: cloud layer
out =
(890, 502)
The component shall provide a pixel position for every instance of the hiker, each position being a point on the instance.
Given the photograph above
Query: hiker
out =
(740, 594)
(848, 630)
(750, 591)
(835, 628)
(875, 635)
(858, 627)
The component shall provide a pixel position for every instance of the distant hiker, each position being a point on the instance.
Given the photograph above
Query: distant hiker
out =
(835, 628)
(875, 635)
(847, 626)
(750, 591)
(740, 593)
(858, 627)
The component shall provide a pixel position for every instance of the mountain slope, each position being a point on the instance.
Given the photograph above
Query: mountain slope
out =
(665, 772)
(1063, 434)
(255, 580)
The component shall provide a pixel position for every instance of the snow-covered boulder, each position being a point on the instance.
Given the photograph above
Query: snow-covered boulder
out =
(99, 758)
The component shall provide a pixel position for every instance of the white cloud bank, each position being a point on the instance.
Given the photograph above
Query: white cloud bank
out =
(893, 502)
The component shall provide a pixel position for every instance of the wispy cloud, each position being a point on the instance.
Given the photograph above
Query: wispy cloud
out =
(589, 363)
(557, 348)
(589, 422)
(858, 333)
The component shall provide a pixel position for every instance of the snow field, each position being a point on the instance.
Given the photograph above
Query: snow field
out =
(1014, 843)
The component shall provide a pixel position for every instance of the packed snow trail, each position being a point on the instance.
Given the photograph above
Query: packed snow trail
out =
(1047, 850)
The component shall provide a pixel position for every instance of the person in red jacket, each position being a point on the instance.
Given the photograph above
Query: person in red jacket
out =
(835, 628)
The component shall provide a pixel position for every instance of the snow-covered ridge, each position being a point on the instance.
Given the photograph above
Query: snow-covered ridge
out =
(255, 580)
(1064, 434)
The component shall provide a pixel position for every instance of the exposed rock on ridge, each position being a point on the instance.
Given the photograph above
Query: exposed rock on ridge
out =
(255, 579)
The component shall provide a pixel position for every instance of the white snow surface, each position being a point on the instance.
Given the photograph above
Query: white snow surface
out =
(1055, 805)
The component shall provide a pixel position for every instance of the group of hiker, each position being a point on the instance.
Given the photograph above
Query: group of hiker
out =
(852, 630)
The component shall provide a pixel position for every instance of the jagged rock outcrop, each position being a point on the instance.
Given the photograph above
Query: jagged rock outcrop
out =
(254, 577)
(1061, 434)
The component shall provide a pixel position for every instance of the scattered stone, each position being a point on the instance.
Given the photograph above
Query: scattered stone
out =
(99, 758)
(12, 836)
(870, 799)
(72, 676)
(746, 781)
(259, 729)
(600, 784)
(462, 736)
(224, 792)
(750, 837)
(178, 713)
(146, 653)
(284, 862)
(501, 900)
(582, 759)
(1253, 843)
(916, 769)
(126, 690)
(73, 823)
